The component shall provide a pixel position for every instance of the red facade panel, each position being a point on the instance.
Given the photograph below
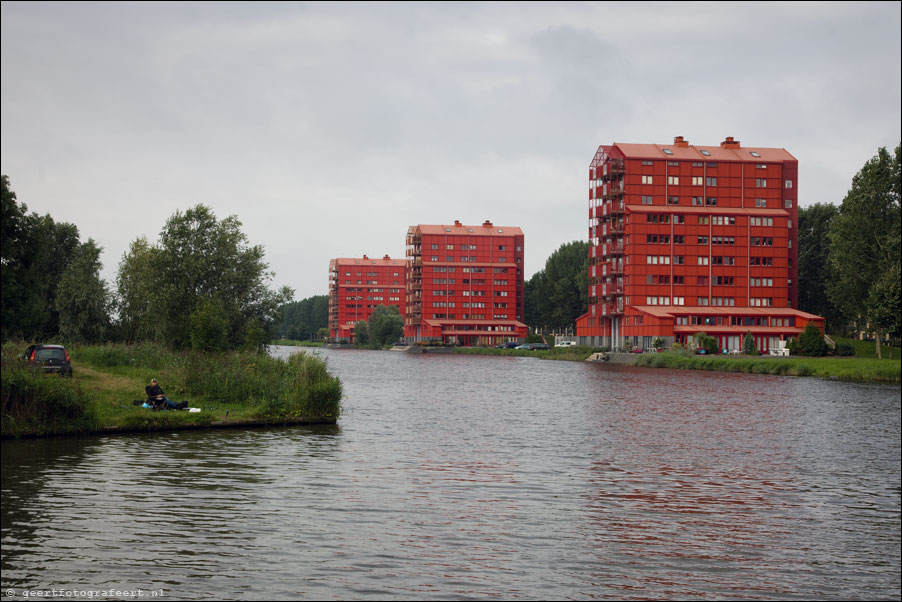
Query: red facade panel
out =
(465, 283)
(358, 285)
(684, 226)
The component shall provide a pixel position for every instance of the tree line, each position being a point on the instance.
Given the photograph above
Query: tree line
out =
(201, 285)
(849, 256)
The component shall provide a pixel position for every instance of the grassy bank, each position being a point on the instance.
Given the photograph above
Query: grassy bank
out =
(576, 354)
(840, 368)
(229, 388)
(296, 343)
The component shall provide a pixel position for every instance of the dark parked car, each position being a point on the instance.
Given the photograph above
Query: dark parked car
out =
(541, 347)
(52, 358)
(507, 345)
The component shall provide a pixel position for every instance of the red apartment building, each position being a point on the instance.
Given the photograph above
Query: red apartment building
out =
(357, 285)
(465, 284)
(686, 239)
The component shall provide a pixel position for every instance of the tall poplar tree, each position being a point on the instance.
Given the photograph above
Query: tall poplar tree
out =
(865, 245)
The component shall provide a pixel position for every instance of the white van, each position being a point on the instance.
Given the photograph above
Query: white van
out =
(566, 344)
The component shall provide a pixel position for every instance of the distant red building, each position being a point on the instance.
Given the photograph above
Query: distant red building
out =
(357, 285)
(465, 284)
(686, 239)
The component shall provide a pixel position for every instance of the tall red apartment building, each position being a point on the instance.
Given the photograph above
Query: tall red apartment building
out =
(465, 284)
(686, 239)
(357, 285)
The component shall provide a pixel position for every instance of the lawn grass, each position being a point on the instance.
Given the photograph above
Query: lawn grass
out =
(233, 388)
(867, 349)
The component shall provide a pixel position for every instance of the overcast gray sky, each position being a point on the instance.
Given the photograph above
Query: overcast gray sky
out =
(329, 128)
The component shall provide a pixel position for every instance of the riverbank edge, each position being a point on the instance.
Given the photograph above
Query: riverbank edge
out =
(830, 368)
(165, 428)
(865, 370)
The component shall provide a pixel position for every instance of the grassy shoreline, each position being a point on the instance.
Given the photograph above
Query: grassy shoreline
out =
(838, 368)
(861, 369)
(231, 390)
(573, 354)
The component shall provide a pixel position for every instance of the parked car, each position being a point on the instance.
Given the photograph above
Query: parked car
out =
(526, 346)
(507, 345)
(51, 358)
(540, 347)
(566, 344)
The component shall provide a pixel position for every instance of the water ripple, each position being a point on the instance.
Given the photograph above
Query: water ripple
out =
(454, 477)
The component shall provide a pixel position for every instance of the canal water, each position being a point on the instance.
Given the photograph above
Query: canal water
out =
(466, 477)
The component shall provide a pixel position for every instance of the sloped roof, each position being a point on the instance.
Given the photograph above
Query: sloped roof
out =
(486, 229)
(694, 153)
(380, 261)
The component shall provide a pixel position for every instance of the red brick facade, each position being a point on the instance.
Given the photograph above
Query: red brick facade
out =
(465, 284)
(685, 239)
(357, 285)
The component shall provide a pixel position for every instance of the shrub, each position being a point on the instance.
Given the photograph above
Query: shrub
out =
(703, 341)
(845, 349)
(38, 403)
(748, 344)
(811, 342)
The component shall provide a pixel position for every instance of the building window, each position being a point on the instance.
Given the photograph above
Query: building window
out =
(667, 151)
(675, 181)
(760, 183)
(711, 201)
(760, 203)
(706, 153)
(673, 200)
(754, 154)
(673, 163)
(646, 163)
(697, 180)
(697, 201)
(788, 203)
(647, 180)
(647, 200)
(712, 181)
(789, 183)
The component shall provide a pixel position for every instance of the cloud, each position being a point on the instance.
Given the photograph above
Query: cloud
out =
(330, 128)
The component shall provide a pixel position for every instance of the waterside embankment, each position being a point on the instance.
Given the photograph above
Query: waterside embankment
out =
(227, 390)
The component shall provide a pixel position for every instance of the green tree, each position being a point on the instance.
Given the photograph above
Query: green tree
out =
(361, 334)
(301, 320)
(814, 253)
(141, 315)
(82, 299)
(558, 294)
(865, 240)
(884, 307)
(385, 326)
(35, 252)
(209, 325)
(198, 257)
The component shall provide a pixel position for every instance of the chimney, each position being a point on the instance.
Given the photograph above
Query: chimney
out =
(364, 256)
(729, 143)
(457, 222)
(386, 257)
(678, 141)
(486, 224)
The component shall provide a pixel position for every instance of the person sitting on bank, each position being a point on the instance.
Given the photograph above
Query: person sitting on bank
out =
(157, 398)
